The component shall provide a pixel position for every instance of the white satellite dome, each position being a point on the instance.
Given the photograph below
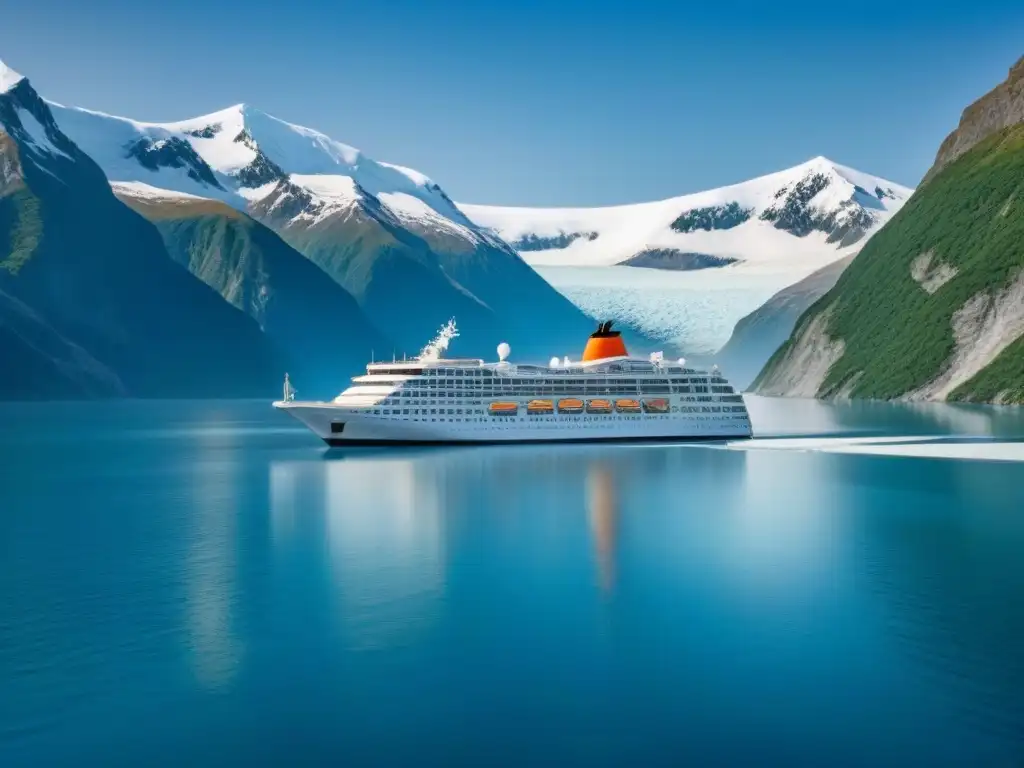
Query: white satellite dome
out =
(504, 350)
(554, 362)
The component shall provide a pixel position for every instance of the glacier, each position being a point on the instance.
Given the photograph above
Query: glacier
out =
(691, 313)
(747, 240)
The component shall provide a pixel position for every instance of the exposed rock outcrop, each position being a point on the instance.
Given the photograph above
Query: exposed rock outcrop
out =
(982, 329)
(805, 363)
(756, 337)
(931, 276)
(1000, 108)
(674, 259)
(533, 242)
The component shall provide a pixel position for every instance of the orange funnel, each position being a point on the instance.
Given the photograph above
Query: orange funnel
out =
(604, 342)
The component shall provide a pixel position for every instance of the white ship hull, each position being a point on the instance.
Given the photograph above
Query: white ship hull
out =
(339, 426)
(607, 395)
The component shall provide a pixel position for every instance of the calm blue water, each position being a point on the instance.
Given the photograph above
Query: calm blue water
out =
(203, 584)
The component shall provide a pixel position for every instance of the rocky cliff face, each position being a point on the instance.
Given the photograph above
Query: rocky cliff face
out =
(299, 307)
(1000, 108)
(91, 303)
(933, 306)
(761, 332)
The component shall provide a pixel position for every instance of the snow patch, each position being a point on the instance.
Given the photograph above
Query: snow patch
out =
(413, 210)
(329, 188)
(414, 176)
(142, 191)
(972, 449)
(252, 194)
(38, 139)
(8, 78)
(330, 194)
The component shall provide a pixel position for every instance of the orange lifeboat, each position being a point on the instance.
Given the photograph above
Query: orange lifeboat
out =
(570, 405)
(627, 406)
(540, 406)
(504, 409)
(604, 343)
(658, 405)
(599, 406)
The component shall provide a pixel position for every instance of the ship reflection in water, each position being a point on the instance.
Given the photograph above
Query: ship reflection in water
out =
(603, 520)
(748, 584)
(216, 575)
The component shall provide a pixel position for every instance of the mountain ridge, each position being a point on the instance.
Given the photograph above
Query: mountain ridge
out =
(387, 234)
(297, 306)
(1000, 108)
(817, 210)
(91, 297)
(933, 307)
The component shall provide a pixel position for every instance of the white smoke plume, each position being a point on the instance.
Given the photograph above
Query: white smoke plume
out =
(440, 342)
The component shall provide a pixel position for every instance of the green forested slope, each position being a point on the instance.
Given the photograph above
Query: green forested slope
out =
(898, 336)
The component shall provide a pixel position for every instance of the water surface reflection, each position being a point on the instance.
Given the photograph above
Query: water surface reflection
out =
(215, 575)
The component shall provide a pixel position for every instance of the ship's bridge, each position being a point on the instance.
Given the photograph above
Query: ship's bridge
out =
(382, 380)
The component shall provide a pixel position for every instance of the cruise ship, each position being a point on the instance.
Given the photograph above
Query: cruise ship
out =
(606, 395)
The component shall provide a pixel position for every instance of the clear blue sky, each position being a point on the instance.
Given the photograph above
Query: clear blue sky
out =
(545, 103)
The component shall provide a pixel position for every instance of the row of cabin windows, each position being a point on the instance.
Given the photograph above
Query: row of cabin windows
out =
(398, 402)
(480, 412)
(439, 382)
(463, 373)
(534, 389)
(412, 399)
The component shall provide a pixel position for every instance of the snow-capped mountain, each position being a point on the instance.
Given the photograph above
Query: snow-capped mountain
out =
(8, 78)
(240, 154)
(799, 218)
(717, 255)
(90, 303)
(388, 234)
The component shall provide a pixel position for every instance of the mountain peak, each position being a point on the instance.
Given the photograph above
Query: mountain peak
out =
(8, 78)
(789, 221)
(1017, 70)
(998, 109)
(821, 164)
